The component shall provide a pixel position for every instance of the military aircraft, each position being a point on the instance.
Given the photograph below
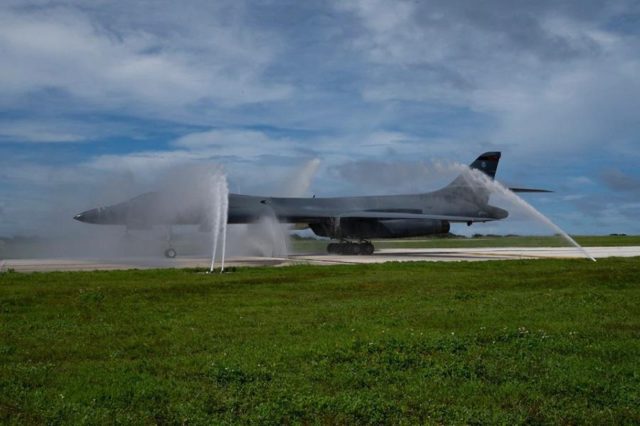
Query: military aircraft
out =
(353, 221)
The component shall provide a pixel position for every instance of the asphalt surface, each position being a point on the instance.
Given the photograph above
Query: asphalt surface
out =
(380, 256)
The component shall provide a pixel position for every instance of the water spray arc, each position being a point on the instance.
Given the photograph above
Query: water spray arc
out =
(480, 179)
(224, 220)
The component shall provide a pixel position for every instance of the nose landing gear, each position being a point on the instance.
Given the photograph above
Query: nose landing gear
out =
(170, 253)
(348, 247)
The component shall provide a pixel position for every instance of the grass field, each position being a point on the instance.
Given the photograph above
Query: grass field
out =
(545, 341)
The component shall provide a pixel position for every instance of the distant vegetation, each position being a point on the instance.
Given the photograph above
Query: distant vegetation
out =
(544, 341)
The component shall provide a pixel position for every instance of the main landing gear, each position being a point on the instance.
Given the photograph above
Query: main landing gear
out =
(347, 247)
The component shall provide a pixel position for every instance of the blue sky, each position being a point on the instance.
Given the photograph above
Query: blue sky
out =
(99, 99)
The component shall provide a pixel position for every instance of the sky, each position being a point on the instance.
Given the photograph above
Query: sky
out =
(99, 99)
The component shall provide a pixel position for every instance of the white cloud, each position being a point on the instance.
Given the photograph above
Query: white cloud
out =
(553, 85)
(552, 79)
(579, 181)
(49, 129)
(111, 66)
(146, 164)
(24, 131)
(225, 139)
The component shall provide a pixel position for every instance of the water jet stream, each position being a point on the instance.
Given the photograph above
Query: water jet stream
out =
(218, 214)
(495, 186)
(224, 221)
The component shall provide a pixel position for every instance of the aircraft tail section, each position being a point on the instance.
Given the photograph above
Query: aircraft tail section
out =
(468, 187)
(487, 163)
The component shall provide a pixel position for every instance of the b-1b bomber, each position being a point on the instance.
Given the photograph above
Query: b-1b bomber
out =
(351, 221)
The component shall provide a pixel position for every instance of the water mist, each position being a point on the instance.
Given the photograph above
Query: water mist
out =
(298, 184)
(267, 236)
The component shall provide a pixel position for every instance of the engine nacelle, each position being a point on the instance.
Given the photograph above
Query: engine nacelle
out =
(375, 228)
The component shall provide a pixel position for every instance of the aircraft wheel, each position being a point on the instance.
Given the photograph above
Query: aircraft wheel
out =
(170, 253)
(354, 249)
(366, 248)
(332, 249)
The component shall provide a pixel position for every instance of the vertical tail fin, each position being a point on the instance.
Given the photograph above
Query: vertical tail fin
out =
(464, 185)
(487, 163)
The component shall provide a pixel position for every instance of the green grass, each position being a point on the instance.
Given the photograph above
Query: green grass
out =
(304, 246)
(545, 341)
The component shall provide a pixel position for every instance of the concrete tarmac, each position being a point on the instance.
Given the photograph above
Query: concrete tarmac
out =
(380, 256)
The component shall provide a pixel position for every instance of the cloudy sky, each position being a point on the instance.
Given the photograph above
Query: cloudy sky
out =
(98, 99)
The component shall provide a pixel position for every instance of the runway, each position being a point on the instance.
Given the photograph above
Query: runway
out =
(380, 256)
